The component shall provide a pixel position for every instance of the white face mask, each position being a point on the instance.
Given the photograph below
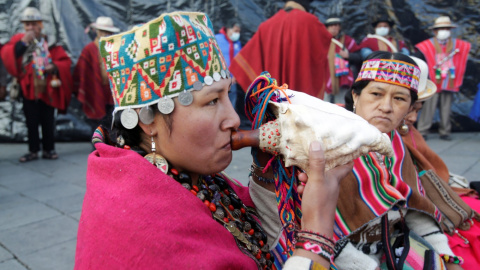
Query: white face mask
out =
(382, 31)
(234, 37)
(443, 34)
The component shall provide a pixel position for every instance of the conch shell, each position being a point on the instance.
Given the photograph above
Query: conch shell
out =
(344, 136)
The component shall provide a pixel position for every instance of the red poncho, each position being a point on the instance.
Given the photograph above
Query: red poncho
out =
(292, 47)
(56, 97)
(427, 47)
(89, 86)
(136, 217)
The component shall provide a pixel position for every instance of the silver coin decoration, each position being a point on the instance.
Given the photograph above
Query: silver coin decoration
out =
(146, 115)
(208, 80)
(198, 85)
(129, 119)
(216, 76)
(185, 98)
(228, 74)
(166, 105)
(223, 74)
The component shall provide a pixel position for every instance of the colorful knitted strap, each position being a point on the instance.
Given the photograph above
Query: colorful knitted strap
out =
(262, 90)
(390, 71)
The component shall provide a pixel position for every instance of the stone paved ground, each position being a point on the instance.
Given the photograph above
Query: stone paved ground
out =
(41, 201)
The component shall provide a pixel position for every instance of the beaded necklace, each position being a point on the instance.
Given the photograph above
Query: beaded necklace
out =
(228, 210)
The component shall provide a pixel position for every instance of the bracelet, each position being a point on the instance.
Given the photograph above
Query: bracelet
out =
(315, 236)
(316, 248)
(452, 259)
(254, 169)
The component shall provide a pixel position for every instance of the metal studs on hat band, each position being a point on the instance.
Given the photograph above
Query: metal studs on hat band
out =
(198, 85)
(129, 118)
(216, 76)
(166, 105)
(223, 74)
(208, 80)
(185, 98)
(146, 115)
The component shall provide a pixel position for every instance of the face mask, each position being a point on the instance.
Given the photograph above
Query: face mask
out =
(382, 31)
(234, 37)
(443, 34)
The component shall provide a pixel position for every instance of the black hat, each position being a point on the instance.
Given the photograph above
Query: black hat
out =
(333, 19)
(382, 18)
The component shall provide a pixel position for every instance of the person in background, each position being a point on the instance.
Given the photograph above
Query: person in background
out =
(90, 81)
(341, 77)
(464, 242)
(383, 29)
(382, 191)
(228, 40)
(446, 58)
(279, 46)
(43, 73)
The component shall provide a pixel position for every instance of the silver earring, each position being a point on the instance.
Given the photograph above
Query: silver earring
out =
(159, 161)
(403, 128)
(354, 109)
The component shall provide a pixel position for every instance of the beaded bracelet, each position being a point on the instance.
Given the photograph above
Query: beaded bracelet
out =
(316, 248)
(255, 169)
(452, 259)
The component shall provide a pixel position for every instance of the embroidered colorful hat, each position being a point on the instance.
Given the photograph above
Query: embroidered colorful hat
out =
(390, 71)
(167, 57)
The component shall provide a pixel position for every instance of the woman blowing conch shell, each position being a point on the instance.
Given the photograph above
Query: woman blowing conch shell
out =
(156, 195)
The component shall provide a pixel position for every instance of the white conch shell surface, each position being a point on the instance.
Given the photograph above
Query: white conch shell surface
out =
(344, 135)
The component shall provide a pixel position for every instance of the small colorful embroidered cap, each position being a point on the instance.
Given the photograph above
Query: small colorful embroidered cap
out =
(167, 57)
(390, 71)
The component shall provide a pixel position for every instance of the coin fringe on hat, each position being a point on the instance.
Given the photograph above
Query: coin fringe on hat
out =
(31, 14)
(167, 57)
(105, 24)
(443, 22)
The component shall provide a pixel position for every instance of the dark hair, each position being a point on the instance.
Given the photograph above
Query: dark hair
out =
(358, 87)
(133, 137)
(232, 23)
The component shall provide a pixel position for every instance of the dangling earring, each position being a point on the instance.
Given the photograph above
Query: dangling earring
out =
(403, 128)
(156, 159)
(354, 109)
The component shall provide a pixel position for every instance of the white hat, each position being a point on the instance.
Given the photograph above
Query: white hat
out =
(31, 14)
(443, 22)
(105, 24)
(426, 88)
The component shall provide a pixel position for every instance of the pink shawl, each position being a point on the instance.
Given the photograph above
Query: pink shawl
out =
(136, 217)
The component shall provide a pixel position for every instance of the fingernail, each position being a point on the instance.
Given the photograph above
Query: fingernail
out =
(315, 146)
(303, 184)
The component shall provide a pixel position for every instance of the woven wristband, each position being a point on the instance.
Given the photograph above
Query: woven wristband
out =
(316, 248)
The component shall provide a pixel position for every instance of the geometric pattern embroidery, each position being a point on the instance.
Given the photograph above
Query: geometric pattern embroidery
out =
(163, 57)
(390, 71)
